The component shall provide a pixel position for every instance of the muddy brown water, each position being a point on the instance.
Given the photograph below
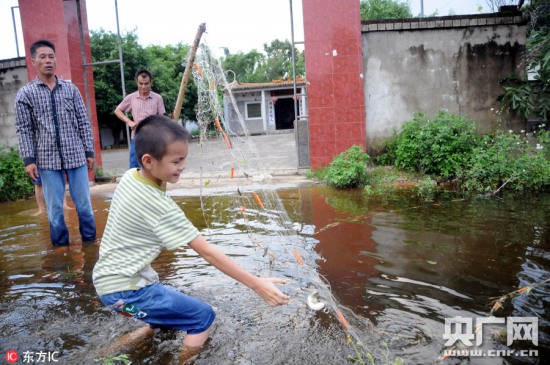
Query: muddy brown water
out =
(400, 262)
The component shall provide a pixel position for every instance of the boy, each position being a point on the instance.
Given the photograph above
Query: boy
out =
(142, 220)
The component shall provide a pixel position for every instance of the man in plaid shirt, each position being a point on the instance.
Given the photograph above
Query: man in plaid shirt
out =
(141, 104)
(55, 140)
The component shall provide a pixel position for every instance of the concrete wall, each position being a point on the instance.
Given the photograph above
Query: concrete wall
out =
(254, 126)
(429, 65)
(13, 75)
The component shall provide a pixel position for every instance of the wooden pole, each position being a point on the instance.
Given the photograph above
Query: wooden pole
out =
(187, 72)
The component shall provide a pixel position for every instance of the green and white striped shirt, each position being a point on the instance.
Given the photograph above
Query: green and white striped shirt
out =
(142, 221)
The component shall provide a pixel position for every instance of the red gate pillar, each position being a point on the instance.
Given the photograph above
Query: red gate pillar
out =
(334, 70)
(57, 21)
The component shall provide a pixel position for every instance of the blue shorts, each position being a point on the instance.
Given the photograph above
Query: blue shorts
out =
(162, 306)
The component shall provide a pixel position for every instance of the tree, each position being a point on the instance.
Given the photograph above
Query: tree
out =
(107, 81)
(254, 66)
(244, 65)
(166, 64)
(384, 9)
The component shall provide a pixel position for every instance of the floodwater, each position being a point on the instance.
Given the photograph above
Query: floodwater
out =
(396, 266)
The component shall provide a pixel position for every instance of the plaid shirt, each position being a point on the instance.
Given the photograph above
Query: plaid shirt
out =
(52, 126)
(142, 107)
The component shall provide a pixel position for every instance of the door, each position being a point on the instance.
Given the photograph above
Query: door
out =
(284, 113)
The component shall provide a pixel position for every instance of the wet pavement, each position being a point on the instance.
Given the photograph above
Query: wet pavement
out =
(271, 159)
(277, 152)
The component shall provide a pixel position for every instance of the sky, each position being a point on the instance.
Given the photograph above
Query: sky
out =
(239, 25)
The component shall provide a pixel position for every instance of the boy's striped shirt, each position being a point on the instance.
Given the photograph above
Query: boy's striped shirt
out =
(142, 221)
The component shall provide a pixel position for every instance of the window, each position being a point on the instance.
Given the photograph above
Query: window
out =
(253, 110)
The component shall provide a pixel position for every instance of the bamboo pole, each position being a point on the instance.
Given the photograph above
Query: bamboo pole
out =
(187, 72)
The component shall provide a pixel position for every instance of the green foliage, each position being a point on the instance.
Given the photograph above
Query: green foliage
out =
(244, 65)
(384, 9)
(518, 96)
(447, 148)
(107, 78)
(427, 188)
(255, 66)
(384, 180)
(14, 182)
(524, 97)
(388, 152)
(122, 359)
(439, 147)
(195, 133)
(508, 159)
(348, 169)
(166, 63)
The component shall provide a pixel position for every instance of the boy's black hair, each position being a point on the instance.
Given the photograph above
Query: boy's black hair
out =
(144, 72)
(41, 43)
(155, 133)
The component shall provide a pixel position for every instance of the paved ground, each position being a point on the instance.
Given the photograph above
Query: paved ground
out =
(272, 158)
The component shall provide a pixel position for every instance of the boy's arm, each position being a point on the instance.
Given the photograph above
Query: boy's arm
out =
(264, 287)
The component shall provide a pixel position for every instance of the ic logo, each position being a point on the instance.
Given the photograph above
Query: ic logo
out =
(11, 356)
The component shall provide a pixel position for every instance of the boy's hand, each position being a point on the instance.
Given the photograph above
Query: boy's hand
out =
(267, 290)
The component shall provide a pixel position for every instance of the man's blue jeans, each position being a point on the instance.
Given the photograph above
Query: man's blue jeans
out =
(53, 182)
(133, 156)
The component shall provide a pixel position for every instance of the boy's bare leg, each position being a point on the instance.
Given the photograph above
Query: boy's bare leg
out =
(192, 345)
(39, 194)
(65, 205)
(131, 340)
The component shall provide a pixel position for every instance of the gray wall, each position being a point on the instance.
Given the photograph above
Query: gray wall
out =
(449, 64)
(254, 126)
(13, 75)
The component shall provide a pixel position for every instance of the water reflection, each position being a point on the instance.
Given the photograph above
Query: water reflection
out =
(400, 262)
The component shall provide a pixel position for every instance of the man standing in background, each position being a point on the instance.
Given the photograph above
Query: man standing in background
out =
(55, 140)
(141, 104)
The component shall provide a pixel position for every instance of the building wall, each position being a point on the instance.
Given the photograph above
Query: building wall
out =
(267, 97)
(254, 126)
(13, 75)
(451, 64)
(334, 70)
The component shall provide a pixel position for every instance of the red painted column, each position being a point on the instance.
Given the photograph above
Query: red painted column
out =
(57, 21)
(334, 70)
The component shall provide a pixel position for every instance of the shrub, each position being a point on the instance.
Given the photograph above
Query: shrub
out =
(440, 147)
(14, 182)
(505, 158)
(388, 153)
(348, 169)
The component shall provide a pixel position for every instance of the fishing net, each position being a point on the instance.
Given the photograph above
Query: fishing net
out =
(256, 211)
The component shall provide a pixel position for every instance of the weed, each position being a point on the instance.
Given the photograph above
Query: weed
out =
(14, 182)
(348, 169)
(114, 360)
